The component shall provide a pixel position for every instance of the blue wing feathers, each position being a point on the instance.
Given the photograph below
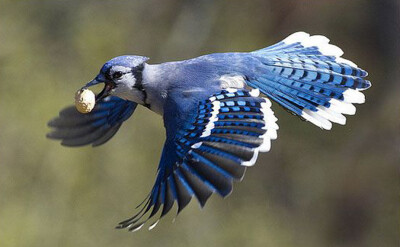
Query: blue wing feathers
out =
(221, 180)
(242, 152)
(106, 136)
(231, 166)
(207, 153)
(229, 141)
(221, 153)
(169, 195)
(202, 189)
(95, 128)
(183, 190)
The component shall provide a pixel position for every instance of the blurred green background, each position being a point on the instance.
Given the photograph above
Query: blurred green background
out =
(314, 188)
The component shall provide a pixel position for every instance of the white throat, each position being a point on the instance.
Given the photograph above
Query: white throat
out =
(148, 92)
(156, 89)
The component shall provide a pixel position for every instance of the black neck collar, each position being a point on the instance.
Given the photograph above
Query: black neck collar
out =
(138, 74)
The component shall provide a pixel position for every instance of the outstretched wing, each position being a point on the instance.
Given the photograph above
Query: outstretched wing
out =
(208, 151)
(97, 127)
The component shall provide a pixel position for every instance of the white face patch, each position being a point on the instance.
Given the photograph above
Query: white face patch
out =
(127, 77)
(125, 85)
(127, 92)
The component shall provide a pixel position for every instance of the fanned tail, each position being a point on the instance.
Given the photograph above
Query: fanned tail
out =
(307, 76)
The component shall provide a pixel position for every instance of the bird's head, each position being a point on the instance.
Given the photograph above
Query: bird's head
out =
(122, 77)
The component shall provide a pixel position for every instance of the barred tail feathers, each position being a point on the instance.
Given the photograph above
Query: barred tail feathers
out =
(307, 76)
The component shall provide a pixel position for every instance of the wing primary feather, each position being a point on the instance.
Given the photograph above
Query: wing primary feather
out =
(206, 153)
(220, 179)
(201, 190)
(184, 192)
(169, 197)
(107, 136)
(97, 127)
(133, 219)
(233, 168)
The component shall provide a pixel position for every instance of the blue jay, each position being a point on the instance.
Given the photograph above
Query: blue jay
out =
(216, 122)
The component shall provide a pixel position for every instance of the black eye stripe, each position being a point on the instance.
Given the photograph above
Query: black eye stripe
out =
(117, 74)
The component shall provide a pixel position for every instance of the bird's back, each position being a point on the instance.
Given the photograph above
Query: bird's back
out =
(194, 79)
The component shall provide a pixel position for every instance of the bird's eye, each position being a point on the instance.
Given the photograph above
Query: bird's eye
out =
(117, 74)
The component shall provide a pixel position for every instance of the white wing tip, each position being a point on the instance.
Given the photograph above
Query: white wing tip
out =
(353, 96)
(330, 50)
(342, 107)
(323, 116)
(296, 37)
(137, 228)
(331, 115)
(266, 146)
(255, 92)
(271, 126)
(214, 117)
(151, 227)
(321, 42)
(316, 119)
(253, 159)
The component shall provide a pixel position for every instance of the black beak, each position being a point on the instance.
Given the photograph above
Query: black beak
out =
(105, 92)
(108, 86)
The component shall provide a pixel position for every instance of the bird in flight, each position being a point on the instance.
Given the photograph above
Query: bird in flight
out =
(216, 121)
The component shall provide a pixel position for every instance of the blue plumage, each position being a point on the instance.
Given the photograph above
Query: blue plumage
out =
(215, 125)
(300, 76)
(208, 161)
(96, 127)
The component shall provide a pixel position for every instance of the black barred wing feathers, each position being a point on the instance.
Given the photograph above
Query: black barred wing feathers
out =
(308, 77)
(209, 153)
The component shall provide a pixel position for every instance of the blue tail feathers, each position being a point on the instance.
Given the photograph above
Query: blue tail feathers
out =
(307, 76)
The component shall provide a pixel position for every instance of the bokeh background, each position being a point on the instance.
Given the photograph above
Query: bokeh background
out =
(314, 188)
